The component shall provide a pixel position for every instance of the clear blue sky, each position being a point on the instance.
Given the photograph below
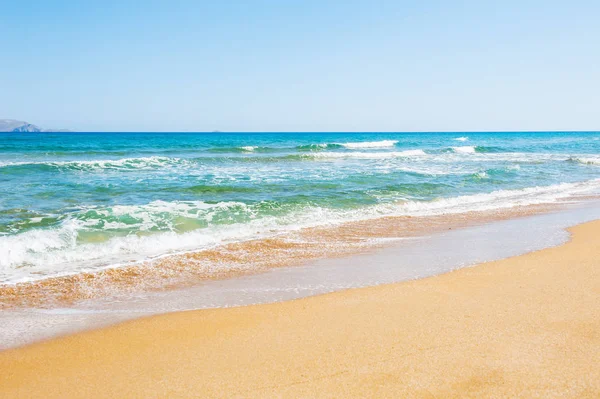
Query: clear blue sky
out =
(312, 65)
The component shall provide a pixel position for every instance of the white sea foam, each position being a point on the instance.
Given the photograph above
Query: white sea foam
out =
(456, 156)
(586, 160)
(461, 139)
(368, 155)
(464, 149)
(38, 254)
(370, 144)
(249, 148)
(57, 251)
(124, 163)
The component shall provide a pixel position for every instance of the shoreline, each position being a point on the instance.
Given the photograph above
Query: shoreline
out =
(179, 271)
(396, 261)
(522, 326)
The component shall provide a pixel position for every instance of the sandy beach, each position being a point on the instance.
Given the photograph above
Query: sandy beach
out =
(527, 326)
(299, 200)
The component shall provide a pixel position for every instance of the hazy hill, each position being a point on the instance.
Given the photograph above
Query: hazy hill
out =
(11, 125)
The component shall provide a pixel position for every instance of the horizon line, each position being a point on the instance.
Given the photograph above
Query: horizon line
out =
(302, 132)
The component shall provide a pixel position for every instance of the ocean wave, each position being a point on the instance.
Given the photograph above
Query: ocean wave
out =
(120, 164)
(468, 149)
(369, 144)
(367, 155)
(451, 155)
(446, 157)
(242, 149)
(501, 199)
(351, 145)
(185, 226)
(319, 147)
(465, 149)
(585, 160)
(461, 139)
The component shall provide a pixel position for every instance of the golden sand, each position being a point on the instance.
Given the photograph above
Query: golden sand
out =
(525, 327)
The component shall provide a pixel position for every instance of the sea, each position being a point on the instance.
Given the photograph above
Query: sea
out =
(81, 203)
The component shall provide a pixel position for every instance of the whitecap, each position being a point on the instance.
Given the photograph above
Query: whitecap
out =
(369, 144)
(124, 163)
(464, 149)
(586, 160)
(368, 155)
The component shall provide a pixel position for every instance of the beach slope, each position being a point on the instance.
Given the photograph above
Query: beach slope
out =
(528, 326)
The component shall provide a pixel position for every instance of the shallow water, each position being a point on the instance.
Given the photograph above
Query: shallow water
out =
(406, 259)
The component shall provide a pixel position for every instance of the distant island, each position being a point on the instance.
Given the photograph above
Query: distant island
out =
(11, 125)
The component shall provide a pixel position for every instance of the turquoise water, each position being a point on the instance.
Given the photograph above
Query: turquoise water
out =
(74, 202)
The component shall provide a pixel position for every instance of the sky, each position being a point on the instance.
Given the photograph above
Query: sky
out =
(312, 65)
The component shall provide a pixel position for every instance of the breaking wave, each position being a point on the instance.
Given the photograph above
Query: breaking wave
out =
(368, 155)
(585, 160)
(242, 149)
(351, 145)
(119, 164)
(318, 147)
(370, 144)
(465, 149)
(78, 244)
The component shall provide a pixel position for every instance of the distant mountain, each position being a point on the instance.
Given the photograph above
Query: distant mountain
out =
(11, 125)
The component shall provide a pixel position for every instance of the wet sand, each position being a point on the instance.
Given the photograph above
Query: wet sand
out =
(243, 258)
(527, 326)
